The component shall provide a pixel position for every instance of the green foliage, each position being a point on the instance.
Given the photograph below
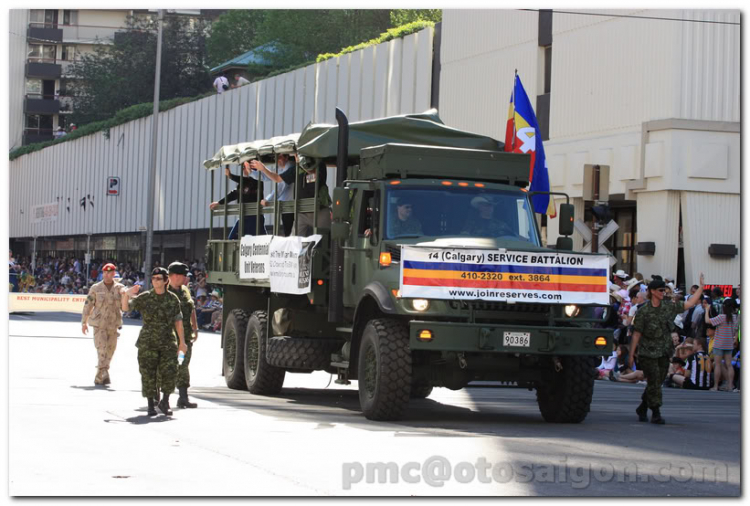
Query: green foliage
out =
(298, 36)
(390, 34)
(232, 34)
(400, 17)
(123, 116)
(119, 75)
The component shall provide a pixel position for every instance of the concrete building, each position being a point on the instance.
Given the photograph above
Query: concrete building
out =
(653, 94)
(44, 44)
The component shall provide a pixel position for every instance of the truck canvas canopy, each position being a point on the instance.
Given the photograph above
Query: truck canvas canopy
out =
(319, 140)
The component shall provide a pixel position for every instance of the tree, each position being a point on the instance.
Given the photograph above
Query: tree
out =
(400, 17)
(299, 36)
(119, 75)
(232, 34)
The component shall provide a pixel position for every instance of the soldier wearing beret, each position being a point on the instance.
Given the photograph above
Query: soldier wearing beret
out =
(177, 276)
(102, 311)
(652, 330)
(157, 345)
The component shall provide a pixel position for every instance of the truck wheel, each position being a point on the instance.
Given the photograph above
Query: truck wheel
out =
(420, 390)
(302, 352)
(384, 369)
(260, 377)
(234, 341)
(567, 397)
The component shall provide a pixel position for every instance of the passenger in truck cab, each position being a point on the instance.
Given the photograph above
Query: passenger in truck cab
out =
(483, 223)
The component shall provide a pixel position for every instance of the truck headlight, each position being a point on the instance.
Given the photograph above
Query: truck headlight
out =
(420, 304)
(572, 310)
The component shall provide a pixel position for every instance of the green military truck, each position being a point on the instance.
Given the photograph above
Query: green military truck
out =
(431, 273)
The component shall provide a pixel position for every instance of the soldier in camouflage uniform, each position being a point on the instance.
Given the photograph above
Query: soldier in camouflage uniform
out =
(485, 224)
(402, 222)
(157, 346)
(652, 330)
(177, 275)
(102, 311)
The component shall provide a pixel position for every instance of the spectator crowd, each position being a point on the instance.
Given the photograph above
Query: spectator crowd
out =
(68, 276)
(706, 338)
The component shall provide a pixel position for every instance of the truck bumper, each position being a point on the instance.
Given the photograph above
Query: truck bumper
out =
(484, 338)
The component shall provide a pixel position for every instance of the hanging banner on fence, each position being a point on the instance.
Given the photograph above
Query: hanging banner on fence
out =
(503, 275)
(254, 257)
(290, 263)
(33, 302)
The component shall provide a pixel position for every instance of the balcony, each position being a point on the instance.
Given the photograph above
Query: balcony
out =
(32, 135)
(43, 68)
(41, 104)
(88, 34)
(44, 32)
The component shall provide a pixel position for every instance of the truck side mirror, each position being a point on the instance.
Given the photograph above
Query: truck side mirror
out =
(340, 231)
(566, 219)
(341, 204)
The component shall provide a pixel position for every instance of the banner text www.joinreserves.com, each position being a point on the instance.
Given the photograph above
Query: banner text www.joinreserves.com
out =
(503, 295)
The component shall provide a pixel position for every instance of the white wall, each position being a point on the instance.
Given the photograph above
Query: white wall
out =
(391, 78)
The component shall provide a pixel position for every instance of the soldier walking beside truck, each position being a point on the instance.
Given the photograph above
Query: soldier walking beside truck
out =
(177, 273)
(157, 347)
(652, 331)
(102, 311)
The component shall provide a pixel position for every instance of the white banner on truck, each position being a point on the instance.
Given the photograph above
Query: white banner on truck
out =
(291, 263)
(503, 275)
(254, 257)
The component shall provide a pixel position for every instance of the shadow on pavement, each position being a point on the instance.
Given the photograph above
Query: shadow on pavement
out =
(93, 388)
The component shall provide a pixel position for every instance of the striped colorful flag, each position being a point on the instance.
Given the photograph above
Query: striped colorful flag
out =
(522, 135)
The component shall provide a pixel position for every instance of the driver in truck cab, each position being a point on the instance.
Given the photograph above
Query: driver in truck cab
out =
(402, 222)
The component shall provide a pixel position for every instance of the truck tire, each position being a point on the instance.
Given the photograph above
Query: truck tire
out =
(567, 398)
(384, 369)
(420, 390)
(261, 378)
(234, 344)
(301, 352)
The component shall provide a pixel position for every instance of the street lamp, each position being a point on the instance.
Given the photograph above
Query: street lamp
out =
(152, 173)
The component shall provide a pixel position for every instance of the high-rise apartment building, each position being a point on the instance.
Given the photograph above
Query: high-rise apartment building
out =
(44, 44)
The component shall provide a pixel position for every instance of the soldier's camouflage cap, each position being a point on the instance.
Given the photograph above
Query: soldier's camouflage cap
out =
(178, 268)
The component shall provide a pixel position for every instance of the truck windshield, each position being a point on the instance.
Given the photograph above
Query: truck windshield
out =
(448, 212)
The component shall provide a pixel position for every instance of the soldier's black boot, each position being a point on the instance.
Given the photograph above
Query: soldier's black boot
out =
(642, 412)
(183, 401)
(164, 405)
(151, 408)
(656, 417)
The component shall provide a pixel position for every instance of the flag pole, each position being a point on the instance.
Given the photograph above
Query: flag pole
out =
(515, 77)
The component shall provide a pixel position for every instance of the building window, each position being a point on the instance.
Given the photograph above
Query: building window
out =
(33, 86)
(36, 16)
(70, 17)
(41, 53)
(69, 52)
(32, 121)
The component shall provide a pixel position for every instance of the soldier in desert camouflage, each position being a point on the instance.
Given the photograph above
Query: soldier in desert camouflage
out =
(102, 311)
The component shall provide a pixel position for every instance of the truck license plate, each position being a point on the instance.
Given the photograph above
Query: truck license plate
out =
(517, 339)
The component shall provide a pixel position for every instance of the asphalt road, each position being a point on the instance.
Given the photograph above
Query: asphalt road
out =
(67, 437)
